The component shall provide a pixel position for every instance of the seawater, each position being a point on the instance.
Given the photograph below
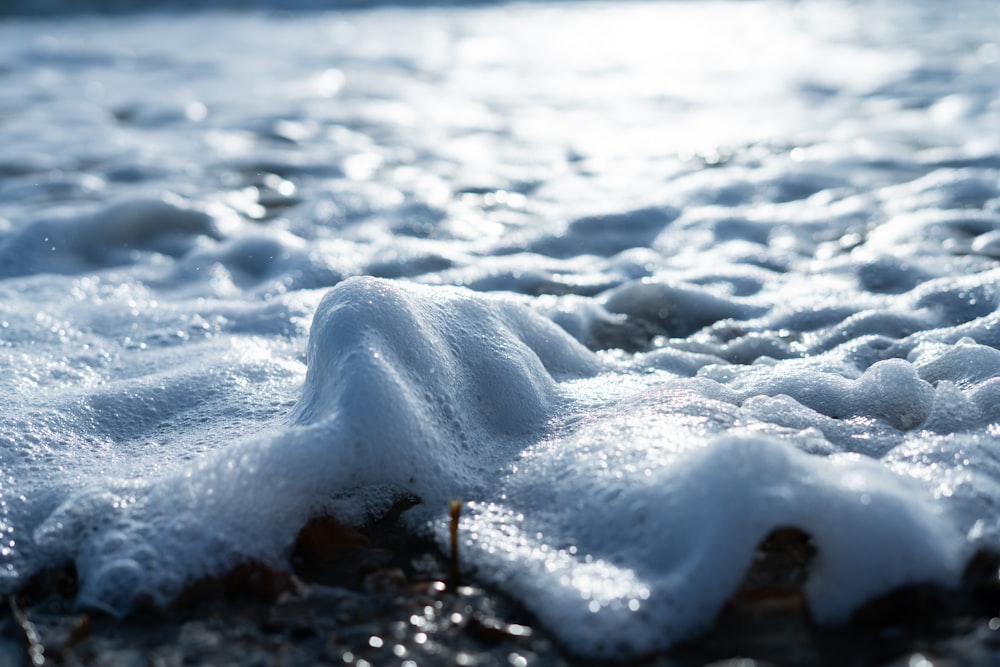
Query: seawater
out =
(637, 282)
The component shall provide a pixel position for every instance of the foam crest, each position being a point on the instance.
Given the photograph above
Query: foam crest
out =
(633, 565)
(409, 390)
(889, 390)
(438, 380)
(368, 330)
(966, 363)
(112, 236)
(657, 308)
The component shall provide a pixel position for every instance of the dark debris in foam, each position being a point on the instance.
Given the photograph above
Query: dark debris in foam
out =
(379, 596)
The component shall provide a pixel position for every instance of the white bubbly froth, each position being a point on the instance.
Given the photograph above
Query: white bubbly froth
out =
(637, 305)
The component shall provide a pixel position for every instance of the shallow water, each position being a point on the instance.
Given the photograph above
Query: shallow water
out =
(643, 282)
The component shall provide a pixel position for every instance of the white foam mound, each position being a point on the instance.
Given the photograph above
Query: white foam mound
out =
(431, 390)
(425, 354)
(416, 390)
(630, 552)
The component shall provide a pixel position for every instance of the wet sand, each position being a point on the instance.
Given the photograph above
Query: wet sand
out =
(384, 597)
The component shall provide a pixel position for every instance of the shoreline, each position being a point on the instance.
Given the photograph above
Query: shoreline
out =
(381, 596)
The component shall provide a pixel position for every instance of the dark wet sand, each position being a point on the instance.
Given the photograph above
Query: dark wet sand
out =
(383, 597)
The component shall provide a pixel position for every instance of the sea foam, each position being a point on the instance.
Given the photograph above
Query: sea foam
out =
(257, 268)
(634, 524)
(411, 390)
